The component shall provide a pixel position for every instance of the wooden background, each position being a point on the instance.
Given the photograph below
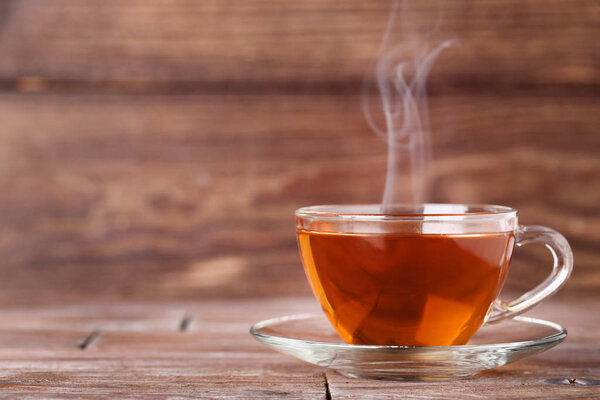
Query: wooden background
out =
(158, 149)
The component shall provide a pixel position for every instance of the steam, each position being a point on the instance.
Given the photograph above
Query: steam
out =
(400, 77)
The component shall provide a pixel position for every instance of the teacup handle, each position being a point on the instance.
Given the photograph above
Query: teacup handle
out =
(563, 265)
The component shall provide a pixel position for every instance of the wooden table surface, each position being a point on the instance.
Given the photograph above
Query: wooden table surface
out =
(203, 350)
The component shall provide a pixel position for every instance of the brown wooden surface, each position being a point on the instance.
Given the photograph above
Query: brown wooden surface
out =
(139, 350)
(157, 150)
(169, 196)
(134, 44)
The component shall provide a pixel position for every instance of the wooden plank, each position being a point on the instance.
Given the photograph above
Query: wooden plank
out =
(155, 317)
(43, 339)
(87, 317)
(527, 380)
(545, 375)
(155, 197)
(217, 358)
(180, 378)
(134, 357)
(182, 46)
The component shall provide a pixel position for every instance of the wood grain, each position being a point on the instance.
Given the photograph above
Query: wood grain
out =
(542, 376)
(182, 45)
(157, 150)
(152, 155)
(169, 196)
(142, 353)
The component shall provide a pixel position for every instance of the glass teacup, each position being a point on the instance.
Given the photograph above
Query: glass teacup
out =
(421, 275)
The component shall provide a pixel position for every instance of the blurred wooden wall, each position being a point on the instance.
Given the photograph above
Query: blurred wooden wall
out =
(157, 149)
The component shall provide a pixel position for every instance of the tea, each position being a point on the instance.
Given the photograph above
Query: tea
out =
(406, 289)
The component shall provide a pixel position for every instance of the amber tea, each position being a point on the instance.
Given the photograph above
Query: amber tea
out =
(391, 289)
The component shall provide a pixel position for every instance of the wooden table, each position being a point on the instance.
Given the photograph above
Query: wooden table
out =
(203, 350)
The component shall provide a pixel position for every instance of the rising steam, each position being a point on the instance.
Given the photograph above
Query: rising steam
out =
(400, 77)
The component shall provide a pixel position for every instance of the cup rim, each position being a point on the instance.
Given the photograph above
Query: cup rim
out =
(368, 212)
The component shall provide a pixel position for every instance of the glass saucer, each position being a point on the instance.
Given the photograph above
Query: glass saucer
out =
(311, 338)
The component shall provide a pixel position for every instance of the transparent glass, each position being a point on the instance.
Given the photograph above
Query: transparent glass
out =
(438, 223)
(312, 339)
